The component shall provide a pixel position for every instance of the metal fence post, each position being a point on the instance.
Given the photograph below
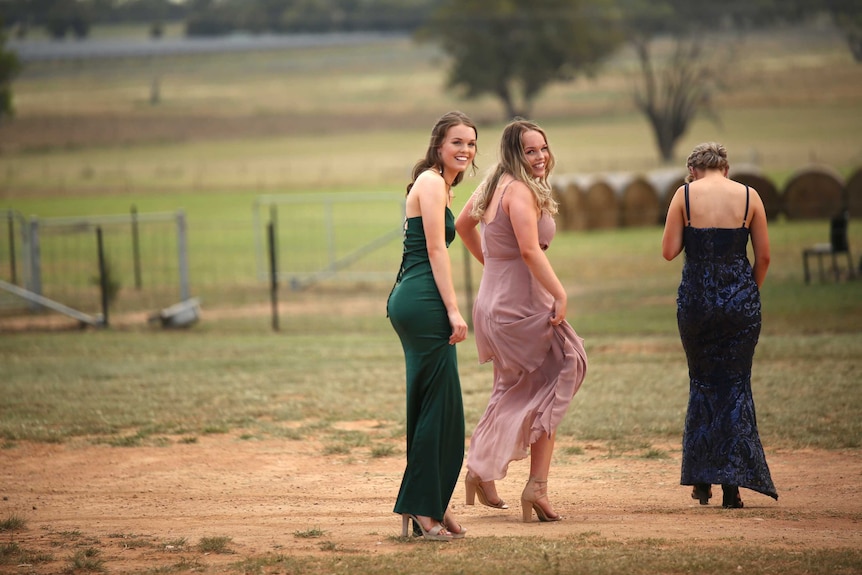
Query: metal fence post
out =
(35, 260)
(183, 256)
(103, 275)
(273, 274)
(136, 247)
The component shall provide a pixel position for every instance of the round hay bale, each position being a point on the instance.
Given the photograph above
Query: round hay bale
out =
(665, 181)
(752, 176)
(853, 194)
(639, 203)
(558, 186)
(815, 192)
(570, 196)
(602, 205)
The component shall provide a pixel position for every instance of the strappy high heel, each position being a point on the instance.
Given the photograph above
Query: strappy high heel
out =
(436, 533)
(730, 498)
(702, 492)
(535, 490)
(460, 534)
(473, 487)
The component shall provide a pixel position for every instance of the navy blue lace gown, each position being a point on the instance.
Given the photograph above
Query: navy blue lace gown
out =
(718, 313)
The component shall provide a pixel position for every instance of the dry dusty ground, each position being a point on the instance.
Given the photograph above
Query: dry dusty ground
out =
(137, 505)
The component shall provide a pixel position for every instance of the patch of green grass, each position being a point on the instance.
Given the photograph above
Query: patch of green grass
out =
(88, 560)
(13, 522)
(383, 450)
(218, 544)
(12, 553)
(654, 453)
(309, 533)
(175, 544)
(329, 546)
(336, 449)
(580, 553)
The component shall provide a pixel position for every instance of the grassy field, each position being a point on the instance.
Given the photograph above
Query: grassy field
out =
(353, 118)
(228, 128)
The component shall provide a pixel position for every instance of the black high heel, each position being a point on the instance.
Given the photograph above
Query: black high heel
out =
(702, 492)
(730, 498)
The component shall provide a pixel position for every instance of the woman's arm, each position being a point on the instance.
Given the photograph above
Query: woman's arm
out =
(431, 193)
(520, 204)
(468, 231)
(671, 241)
(759, 238)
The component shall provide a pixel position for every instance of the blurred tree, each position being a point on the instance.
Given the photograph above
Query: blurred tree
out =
(676, 86)
(64, 16)
(847, 15)
(673, 90)
(9, 68)
(512, 49)
(306, 16)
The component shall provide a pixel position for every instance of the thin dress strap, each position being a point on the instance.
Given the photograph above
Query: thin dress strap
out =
(687, 209)
(502, 193)
(745, 217)
(506, 187)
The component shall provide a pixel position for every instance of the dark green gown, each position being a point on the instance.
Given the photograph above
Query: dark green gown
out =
(435, 409)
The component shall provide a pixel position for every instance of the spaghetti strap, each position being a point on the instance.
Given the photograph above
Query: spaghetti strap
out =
(687, 209)
(745, 217)
(506, 187)
(502, 195)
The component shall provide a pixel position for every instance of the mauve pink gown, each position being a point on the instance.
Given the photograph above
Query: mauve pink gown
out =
(538, 368)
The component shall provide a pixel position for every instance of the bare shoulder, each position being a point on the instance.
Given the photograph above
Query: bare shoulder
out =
(518, 191)
(429, 179)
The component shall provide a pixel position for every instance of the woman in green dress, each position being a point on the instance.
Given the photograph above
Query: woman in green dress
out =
(423, 309)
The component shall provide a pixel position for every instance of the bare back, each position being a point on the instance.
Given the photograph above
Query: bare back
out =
(719, 203)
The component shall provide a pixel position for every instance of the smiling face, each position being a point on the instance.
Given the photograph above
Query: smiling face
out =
(457, 150)
(536, 151)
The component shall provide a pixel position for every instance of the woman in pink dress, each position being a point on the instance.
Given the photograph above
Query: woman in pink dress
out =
(520, 321)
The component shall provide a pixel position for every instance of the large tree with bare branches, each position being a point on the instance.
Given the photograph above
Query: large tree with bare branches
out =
(680, 71)
(672, 92)
(677, 78)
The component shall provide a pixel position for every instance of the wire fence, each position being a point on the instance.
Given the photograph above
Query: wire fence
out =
(129, 262)
(338, 243)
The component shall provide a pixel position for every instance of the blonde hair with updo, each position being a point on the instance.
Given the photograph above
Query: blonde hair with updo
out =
(706, 156)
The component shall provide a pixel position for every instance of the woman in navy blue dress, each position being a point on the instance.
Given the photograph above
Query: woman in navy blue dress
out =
(712, 218)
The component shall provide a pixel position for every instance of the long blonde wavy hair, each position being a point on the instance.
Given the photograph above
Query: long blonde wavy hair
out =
(514, 162)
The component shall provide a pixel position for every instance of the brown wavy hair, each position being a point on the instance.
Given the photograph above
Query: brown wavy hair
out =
(438, 135)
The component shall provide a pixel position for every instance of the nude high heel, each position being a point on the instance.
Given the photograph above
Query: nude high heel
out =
(535, 490)
(455, 529)
(436, 533)
(473, 487)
